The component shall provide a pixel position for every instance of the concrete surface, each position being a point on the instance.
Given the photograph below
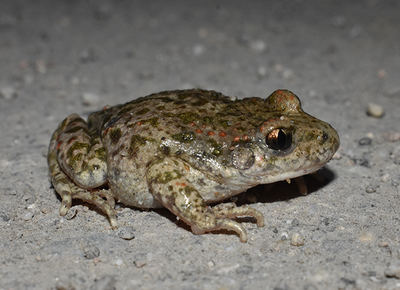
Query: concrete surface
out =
(60, 57)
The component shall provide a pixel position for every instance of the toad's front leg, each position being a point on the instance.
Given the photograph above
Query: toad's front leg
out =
(168, 184)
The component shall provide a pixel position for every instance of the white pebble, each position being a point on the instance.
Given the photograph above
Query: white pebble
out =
(258, 45)
(27, 216)
(126, 233)
(297, 240)
(89, 99)
(287, 73)
(198, 49)
(8, 93)
(41, 66)
(118, 262)
(375, 110)
(393, 271)
(262, 71)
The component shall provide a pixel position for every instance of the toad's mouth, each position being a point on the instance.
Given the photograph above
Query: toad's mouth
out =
(280, 176)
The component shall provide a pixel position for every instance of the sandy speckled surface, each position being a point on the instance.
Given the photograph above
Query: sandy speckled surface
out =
(61, 57)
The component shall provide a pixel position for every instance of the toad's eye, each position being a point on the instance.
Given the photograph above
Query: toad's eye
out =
(279, 139)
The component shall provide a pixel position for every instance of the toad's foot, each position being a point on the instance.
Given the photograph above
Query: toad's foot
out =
(68, 191)
(169, 185)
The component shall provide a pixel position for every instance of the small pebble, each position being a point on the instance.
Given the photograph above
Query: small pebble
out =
(90, 251)
(8, 93)
(392, 136)
(393, 271)
(28, 79)
(4, 217)
(118, 262)
(365, 141)
(27, 216)
(198, 49)
(287, 73)
(375, 110)
(278, 67)
(385, 177)
(383, 244)
(262, 71)
(381, 73)
(297, 240)
(89, 99)
(45, 210)
(284, 236)
(88, 55)
(126, 233)
(366, 237)
(202, 32)
(370, 189)
(41, 66)
(258, 45)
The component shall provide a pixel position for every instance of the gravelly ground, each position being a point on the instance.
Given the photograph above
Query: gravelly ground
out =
(60, 57)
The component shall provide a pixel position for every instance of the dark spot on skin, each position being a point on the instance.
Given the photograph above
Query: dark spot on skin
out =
(200, 102)
(167, 176)
(325, 137)
(85, 166)
(184, 137)
(165, 149)
(75, 129)
(142, 111)
(152, 121)
(116, 173)
(115, 135)
(207, 120)
(136, 142)
(100, 153)
(112, 121)
(77, 146)
(74, 159)
(216, 147)
(188, 117)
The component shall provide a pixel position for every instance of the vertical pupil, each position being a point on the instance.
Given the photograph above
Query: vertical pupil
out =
(281, 139)
(278, 139)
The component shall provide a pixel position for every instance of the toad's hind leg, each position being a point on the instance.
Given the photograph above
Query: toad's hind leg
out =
(77, 166)
(168, 184)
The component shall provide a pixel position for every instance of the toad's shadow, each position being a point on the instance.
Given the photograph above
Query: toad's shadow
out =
(268, 193)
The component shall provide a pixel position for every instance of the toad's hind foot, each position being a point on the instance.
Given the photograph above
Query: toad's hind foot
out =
(98, 199)
(68, 191)
(230, 210)
(92, 198)
(101, 199)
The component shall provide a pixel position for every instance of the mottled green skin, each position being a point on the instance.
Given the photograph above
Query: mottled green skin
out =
(183, 150)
